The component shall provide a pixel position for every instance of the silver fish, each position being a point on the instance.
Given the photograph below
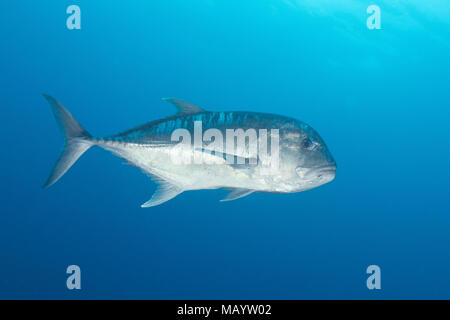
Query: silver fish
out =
(304, 161)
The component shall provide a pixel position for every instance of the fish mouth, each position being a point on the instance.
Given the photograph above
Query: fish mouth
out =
(323, 171)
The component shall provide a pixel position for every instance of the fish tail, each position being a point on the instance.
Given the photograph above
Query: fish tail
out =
(77, 141)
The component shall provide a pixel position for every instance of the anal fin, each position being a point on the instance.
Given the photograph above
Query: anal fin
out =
(237, 193)
(164, 192)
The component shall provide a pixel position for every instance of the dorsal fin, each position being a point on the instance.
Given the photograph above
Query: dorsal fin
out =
(184, 107)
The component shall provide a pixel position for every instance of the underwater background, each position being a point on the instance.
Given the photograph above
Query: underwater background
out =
(379, 98)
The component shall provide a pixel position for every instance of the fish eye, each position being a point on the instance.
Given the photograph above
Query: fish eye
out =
(307, 143)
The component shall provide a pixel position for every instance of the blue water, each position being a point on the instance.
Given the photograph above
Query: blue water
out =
(379, 98)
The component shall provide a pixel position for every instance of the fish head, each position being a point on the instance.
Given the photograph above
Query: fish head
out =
(309, 155)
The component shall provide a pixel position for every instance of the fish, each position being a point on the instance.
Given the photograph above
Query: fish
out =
(295, 157)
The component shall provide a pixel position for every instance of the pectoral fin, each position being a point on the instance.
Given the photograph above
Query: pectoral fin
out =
(237, 193)
(238, 162)
(164, 192)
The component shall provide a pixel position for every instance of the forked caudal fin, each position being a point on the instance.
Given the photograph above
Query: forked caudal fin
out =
(76, 141)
